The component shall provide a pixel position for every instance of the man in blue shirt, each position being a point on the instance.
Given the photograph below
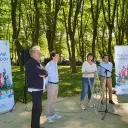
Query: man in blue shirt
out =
(52, 87)
(101, 69)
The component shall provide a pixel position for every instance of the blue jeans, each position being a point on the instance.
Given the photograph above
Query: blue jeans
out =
(86, 87)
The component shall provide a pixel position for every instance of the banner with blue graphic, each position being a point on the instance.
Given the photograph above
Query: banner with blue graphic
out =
(6, 91)
(121, 69)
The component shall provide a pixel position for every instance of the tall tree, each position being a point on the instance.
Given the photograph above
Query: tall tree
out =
(52, 10)
(72, 24)
(82, 30)
(120, 22)
(95, 11)
(109, 16)
(16, 29)
(36, 29)
(67, 37)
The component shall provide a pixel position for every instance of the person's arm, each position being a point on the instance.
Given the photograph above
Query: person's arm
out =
(96, 71)
(44, 76)
(111, 67)
(37, 69)
(84, 70)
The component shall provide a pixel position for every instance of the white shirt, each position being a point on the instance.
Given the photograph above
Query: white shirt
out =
(33, 89)
(86, 67)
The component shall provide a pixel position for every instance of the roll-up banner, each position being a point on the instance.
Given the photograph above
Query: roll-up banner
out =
(6, 90)
(121, 69)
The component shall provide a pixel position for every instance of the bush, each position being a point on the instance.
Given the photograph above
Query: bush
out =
(78, 63)
(65, 62)
(45, 61)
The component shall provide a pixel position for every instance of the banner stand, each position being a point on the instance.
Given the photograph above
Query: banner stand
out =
(122, 98)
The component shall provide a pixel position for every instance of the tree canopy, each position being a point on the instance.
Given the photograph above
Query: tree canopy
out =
(72, 27)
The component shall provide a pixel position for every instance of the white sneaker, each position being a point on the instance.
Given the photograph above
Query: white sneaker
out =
(49, 120)
(82, 107)
(55, 116)
(89, 104)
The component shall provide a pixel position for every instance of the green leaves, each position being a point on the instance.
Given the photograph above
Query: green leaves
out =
(52, 25)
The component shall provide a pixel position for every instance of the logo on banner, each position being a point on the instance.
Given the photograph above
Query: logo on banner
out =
(123, 56)
(3, 57)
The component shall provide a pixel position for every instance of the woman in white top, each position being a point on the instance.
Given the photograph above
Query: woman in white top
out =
(88, 70)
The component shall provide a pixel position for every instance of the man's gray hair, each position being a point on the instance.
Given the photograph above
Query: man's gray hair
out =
(33, 50)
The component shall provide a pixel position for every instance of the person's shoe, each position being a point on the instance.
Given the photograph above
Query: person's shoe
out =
(49, 120)
(55, 116)
(111, 102)
(89, 104)
(82, 106)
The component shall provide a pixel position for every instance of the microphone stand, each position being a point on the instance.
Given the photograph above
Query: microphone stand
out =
(106, 107)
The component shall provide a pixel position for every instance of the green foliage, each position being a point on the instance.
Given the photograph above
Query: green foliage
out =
(69, 84)
(52, 25)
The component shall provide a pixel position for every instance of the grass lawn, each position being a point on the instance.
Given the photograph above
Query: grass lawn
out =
(69, 85)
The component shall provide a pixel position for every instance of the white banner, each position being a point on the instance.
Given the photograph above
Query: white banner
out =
(121, 69)
(6, 91)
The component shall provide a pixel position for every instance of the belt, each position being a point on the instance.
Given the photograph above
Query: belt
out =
(53, 82)
(106, 77)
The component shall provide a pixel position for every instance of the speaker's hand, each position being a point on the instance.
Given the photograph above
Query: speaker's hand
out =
(42, 76)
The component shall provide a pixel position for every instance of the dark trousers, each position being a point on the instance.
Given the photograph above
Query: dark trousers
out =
(36, 108)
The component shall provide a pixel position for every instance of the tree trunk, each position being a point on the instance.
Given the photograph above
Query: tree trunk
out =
(73, 59)
(95, 15)
(109, 22)
(109, 43)
(16, 29)
(72, 29)
(67, 37)
(94, 40)
(19, 50)
(82, 45)
(51, 19)
(36, 30)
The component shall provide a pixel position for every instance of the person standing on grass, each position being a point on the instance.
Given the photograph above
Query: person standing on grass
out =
(52, 87)
(88, 70)
(34, 74)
